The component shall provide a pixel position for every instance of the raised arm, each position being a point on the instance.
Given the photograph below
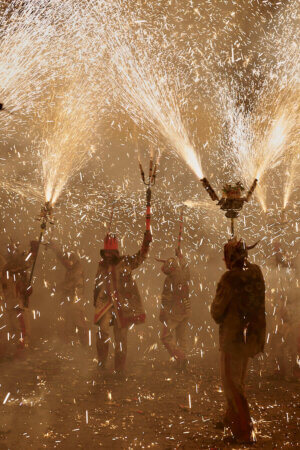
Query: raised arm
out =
(138, 258)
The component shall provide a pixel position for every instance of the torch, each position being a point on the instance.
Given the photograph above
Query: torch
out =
(150, 182)
(232, 201)
(45, 217)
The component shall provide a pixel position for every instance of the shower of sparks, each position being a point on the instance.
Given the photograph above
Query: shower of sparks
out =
(24, 49)
(147, 86)
(23, 189)
(292, 179)
(47, 86)
(67, 141)
(75, 74)
(265, 137)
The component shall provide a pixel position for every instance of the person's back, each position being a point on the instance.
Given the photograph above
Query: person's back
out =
(240, 310)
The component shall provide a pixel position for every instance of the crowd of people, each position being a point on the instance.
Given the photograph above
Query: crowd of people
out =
(238, 309)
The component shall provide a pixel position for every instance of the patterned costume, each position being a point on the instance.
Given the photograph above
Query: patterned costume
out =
(239, 309)
(117, 300)
(175, 308)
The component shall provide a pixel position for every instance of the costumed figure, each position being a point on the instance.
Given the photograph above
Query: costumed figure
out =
(239, 310)
(71, 294)
(16, 292)
(116, 299)
(175, 308)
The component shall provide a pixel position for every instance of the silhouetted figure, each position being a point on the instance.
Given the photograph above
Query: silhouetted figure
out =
(239, 309)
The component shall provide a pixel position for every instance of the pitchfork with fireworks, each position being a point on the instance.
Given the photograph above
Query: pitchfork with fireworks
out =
(149, 183)
(231, 201)
(45, 217)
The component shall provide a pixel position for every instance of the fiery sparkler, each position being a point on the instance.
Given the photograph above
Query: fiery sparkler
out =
(144, 85)
(25, 37)
(265, 137)
(67, 144)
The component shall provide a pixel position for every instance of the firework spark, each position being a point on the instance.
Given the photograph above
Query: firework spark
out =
(265, 137)
(147, 86)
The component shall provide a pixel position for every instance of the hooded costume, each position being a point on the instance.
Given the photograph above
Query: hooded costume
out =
(239, 310)
(117, 299)
(175, 307)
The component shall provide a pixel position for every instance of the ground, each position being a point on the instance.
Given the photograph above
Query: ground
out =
(58, 399)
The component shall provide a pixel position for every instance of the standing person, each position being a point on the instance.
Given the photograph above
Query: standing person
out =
(16, 292)
(175, 308)
(239, 309)
(71, 293)
(117, 299)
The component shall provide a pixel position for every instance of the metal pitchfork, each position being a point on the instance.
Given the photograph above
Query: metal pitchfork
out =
(45, 217)
(150, 182)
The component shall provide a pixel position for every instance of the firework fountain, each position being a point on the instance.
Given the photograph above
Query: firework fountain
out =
(146, 84)
(232, 202)
(48, 87)
(266, 136)
(25, 39)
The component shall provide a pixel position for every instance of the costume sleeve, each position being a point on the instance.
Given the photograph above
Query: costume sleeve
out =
(134, 261)
(221, 300)
(138, 258)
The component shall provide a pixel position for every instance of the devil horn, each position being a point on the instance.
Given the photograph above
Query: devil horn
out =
(250, 247)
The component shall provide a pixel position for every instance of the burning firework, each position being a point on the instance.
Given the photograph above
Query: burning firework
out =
(266, 136)
(146, 84)
(25, 38)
